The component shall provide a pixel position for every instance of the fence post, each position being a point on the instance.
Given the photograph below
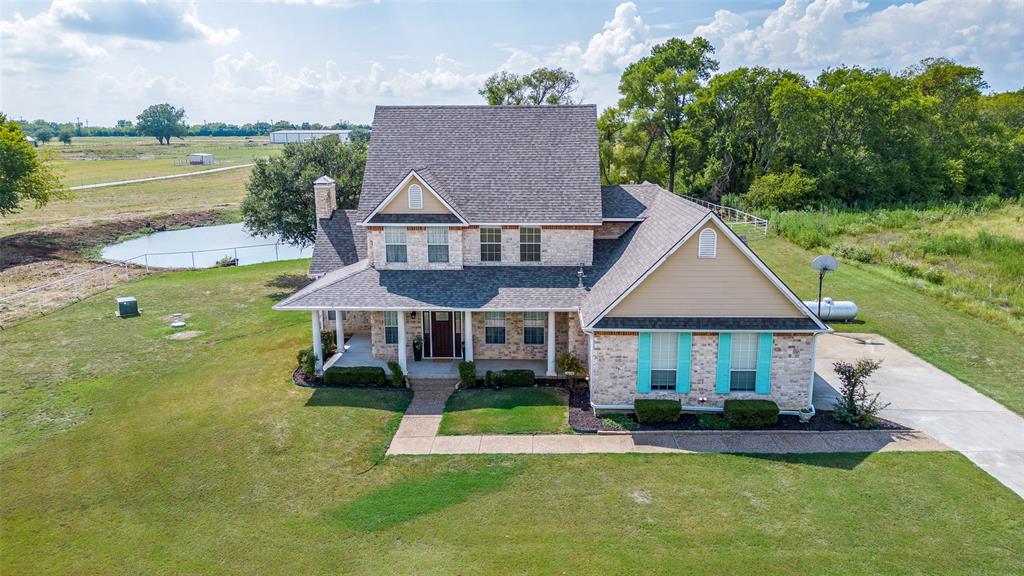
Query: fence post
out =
(193, 260)
(126, 276)
(276, 257)
(146, 257)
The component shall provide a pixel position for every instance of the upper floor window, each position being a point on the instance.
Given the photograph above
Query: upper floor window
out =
(394, 244)
(391, 327)
(743, 363)
(529, 244)
(494, 327)
(664, 350)
(708, 245)
(437, 244)
(490, 244)
(415, 196)
(533, 327)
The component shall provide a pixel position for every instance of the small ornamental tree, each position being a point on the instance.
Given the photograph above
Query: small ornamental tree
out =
(855, 405)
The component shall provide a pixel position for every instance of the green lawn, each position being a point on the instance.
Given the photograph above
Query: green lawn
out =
(507, 411)
(127, 452)
(980, 353)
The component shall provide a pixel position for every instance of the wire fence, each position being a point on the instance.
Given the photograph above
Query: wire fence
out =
(56, 294)
(732, 215)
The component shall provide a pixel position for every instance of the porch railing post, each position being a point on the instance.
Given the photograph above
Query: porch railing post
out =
(467, 329)
(402, 361)
(551, 343)
(317, 346)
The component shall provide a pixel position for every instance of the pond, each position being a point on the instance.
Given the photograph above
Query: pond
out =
(202, 248)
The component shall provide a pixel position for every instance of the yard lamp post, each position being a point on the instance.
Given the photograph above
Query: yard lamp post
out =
(823, 264)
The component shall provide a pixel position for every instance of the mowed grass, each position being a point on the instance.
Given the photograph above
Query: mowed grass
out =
(981, 353)
(507, 411)
(220, 190)
(128, 452)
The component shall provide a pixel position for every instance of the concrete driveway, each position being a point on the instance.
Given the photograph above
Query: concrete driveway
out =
(928, 399)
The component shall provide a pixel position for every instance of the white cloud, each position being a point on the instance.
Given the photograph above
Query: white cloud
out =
(325, 3)
(624, 39)
(38, 43)
(808, 35)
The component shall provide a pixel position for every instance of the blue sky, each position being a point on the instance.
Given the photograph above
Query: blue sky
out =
(325, 60)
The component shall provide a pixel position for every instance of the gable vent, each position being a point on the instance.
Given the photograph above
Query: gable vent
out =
(415, 196)
(708, 246)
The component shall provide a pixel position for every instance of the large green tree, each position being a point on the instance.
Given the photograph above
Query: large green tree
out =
(163, 122)
(279, 194)
(541, 86)
(23, 175)
(656, 91)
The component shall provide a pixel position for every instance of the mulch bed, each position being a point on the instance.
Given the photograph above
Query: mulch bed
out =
(582, 419)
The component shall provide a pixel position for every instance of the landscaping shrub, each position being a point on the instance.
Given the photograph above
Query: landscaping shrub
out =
(467, 374)
(327, 338)
(571, 365)
(751, 413)
(397, 377)
(517, 378)
(713, 422)
(619, 422)
(854, 405)
(492, 379)
(307, 362)
(355, 376)
(649, 411)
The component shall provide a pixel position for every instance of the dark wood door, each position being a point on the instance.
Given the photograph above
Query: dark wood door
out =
(441, 344)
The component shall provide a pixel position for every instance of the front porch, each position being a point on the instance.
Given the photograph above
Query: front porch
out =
(359, 352)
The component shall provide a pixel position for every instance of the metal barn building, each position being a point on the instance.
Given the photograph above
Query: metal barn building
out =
(286, 136)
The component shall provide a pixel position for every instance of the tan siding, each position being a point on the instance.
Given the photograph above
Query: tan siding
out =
(728, 285)
(400, 203)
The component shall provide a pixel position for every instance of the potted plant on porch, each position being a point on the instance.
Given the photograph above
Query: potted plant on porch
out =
(417, 348)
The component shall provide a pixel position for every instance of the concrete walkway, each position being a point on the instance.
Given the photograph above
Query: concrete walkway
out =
(423, 417)
(153, 178)
(925, 398)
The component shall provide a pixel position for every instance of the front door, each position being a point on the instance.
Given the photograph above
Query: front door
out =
(441, 330)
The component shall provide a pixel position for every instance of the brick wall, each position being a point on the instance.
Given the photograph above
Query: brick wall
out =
(355, 323)
(513, 348)
(611, 230)
(559, 246)
(382, 351)
(415, 249)
(613, 374)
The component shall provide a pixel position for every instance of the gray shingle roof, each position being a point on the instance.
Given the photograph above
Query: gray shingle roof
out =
(339, 242)
(495, 164)
(414, 219)
(618, 264)
(702, 324)
(618, 201)
(478, 287)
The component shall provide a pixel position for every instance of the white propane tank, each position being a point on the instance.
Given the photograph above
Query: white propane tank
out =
(842, 310)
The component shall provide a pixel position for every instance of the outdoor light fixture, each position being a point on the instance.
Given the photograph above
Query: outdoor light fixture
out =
(580, 276)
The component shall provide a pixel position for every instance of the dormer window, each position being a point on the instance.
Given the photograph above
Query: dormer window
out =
(708, 244)
(415, 196)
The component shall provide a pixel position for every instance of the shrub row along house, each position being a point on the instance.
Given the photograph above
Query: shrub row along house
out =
(483, 233)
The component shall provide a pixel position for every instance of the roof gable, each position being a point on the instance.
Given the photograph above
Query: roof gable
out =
(395, 206)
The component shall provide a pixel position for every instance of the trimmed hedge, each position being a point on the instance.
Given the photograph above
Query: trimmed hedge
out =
(492, 379)
(517, 378)
(355, 376)
(307, 362)
(650, 411)
(397, 377)
(467, 374)
(751, 413)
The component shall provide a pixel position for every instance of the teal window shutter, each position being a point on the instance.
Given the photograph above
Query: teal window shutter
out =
(724, 360)
(643, 364)
(763, 381)
(683, 363)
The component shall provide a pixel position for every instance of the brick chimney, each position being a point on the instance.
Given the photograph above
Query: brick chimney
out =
(325, 196)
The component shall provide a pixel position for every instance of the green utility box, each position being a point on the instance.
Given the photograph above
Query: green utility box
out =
(127, 307)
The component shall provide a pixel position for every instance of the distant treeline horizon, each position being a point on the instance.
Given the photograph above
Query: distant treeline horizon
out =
(129, 128)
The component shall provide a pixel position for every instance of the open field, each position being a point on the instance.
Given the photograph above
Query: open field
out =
(124, 451)
(94, 160)
(980, 353)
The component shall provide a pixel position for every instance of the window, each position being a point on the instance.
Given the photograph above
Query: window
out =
(494, 328)
(394, 244)
(529, 244)
(415, 196)
(708, 245)
(664, 357)
(391, 327)
(533, 327)
(743, 363)
(490, 244)
(437, 244)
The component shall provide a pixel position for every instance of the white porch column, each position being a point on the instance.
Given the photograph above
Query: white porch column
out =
(467, 334)
(551, 342)
(339, 332)
(401, 341)
(318, 350)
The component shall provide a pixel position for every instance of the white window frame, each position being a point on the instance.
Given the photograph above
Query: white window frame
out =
(418, 196)
(437, 237)
(533, 321)
(394, 236)
(493, 321)
(664, 361)
(743, 360)
(523, 244)
(390, 321)
(490, 229)
(707, 244)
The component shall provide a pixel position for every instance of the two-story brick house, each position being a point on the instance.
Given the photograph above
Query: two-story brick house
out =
(484, 233)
